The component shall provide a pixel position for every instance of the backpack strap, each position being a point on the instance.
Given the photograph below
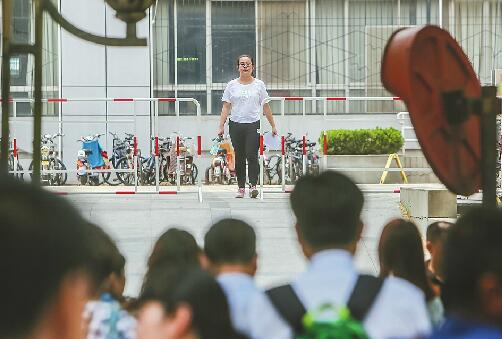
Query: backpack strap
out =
(288, 305)
(291, 309)
(363, 295)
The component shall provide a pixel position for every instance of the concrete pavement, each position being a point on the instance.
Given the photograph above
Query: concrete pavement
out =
(136, 221)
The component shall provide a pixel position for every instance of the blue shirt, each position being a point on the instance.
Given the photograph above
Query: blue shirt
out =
(455, 327)
(251, 312)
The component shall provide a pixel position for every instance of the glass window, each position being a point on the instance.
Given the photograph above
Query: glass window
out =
(166, 108)
(189, 108)
(329, 42)
(186, 108)
(191, 58)
(368, 22)
(282, 43)
(419, 12)
(163, 47)
(233, 34)
(216, 102)
(23, 109)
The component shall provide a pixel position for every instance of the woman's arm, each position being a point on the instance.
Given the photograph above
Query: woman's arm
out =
(225, 110)
(268, 113)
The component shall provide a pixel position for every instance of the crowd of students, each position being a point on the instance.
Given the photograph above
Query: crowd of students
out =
(63, 277)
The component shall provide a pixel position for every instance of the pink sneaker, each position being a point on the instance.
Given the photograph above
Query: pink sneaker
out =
(240, 193)
(253, 192)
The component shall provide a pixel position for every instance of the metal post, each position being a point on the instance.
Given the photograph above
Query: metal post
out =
(283, 163)
(135, 163)
(6, 36)
(37, 92)
(199, 154)
(261, 166)
(304, 155)
(177, 163)
(14, 153)
(157, 175)
(488, 149)
(325, 150)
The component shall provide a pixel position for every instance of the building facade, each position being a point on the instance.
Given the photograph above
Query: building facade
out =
(301, 48)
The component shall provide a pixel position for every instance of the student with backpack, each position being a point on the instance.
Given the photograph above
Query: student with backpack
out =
(331, 299)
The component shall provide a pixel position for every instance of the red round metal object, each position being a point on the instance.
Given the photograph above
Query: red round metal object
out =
(418, 65)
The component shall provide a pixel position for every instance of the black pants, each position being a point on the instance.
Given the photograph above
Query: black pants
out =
(246, 141)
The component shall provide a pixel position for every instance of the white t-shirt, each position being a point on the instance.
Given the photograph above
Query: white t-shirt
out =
(245, 100)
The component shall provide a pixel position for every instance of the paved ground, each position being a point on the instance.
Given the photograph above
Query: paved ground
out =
(136, 221)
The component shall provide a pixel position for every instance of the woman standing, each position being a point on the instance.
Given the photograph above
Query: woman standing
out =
(243, 98)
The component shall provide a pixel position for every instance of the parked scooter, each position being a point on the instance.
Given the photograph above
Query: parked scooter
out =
(92, 157)
(222, 169)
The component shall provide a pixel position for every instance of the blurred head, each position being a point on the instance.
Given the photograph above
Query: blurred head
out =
(435, 238)
(473, 266)
(401, 254)
(327, 209)
(108, 264)
(231, 243)
(183, 303)
(44, 259)
(175, 247)
(245, 65)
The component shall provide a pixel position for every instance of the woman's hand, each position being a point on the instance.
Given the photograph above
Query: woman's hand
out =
(274, 131)
(221, 130)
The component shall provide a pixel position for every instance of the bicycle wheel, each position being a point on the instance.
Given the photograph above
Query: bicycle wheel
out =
(20, 176)
(127, 178)
(61, 178)
(274, 170)
(19, 168)
(110, 179)
(194, 174)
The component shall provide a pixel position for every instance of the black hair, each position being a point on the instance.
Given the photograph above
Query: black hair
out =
(176, 247)
(401, 253)
(437, 230)
(230, 241)
(472, 249)
(327, 209)
(245, 56)
(173, 286)
(43, 239)
(106, 257)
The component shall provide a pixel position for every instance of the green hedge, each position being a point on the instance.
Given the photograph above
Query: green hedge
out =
(363, 141)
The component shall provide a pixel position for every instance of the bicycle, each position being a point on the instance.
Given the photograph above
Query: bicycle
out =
(50, 161)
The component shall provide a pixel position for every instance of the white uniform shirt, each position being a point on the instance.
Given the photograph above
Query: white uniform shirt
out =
(399, 310)
(245, 99)
(251, 312)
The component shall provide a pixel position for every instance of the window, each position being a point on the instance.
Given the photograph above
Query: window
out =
(191, 58)
(282, 43)
(330, 41)
(233, 34)
(185, 108)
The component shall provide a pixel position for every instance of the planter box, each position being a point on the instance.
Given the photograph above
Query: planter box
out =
(367, 169)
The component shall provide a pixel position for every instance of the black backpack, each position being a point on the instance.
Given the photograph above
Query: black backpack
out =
(349, 320)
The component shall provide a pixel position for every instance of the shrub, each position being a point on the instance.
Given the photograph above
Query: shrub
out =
(363, 141)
